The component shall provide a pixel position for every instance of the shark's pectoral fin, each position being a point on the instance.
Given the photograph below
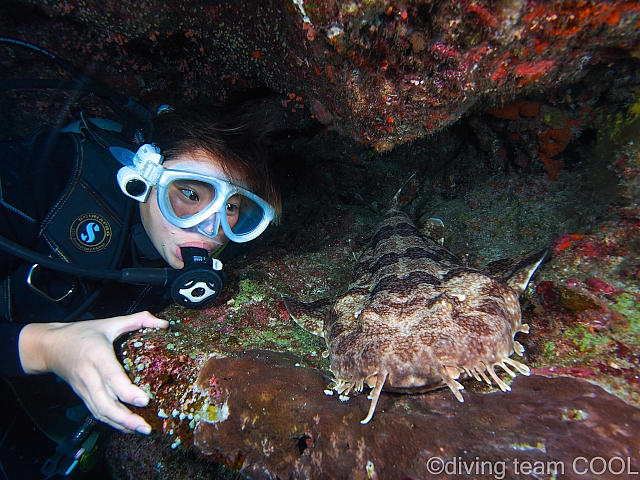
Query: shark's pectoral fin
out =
(309, 316)
(434, 229)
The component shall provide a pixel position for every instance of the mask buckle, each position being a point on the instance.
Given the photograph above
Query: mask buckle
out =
(140, 171)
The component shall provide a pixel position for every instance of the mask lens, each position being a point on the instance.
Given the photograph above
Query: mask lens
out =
(189, 197)
(243, 214)
(211, 206)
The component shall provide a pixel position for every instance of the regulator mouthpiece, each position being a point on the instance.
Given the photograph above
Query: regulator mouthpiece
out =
(198, 283)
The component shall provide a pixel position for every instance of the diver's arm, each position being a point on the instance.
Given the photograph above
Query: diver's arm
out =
(9, 358)
(81, 353)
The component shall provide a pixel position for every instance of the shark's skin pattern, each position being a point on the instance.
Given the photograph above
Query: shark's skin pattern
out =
(415, 319)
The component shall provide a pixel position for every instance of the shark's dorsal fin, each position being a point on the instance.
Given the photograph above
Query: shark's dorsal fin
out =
(516, 272)
(434, 229)
(309, 316)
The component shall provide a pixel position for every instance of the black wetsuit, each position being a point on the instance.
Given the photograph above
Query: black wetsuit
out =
(59, 196)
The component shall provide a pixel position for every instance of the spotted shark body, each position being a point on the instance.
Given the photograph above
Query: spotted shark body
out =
(415, 319)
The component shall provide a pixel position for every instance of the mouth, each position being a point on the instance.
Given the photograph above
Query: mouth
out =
(204, 246)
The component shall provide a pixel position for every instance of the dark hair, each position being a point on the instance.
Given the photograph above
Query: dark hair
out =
(236, 141)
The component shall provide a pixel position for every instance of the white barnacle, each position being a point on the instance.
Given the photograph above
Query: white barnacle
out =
(334, 32)
(162, 414)
(328, 392)
(344, 398)
(147, 388)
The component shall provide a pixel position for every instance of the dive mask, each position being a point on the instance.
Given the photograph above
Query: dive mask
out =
(191, 200)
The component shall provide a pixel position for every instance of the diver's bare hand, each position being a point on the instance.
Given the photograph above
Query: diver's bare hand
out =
(81, 353)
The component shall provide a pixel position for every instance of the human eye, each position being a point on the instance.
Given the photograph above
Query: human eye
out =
(190, 194)
(232, 209)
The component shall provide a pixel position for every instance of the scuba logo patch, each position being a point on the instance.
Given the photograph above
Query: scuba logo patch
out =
(90, 232)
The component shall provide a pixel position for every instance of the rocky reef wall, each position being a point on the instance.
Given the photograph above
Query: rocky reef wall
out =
(380, 71)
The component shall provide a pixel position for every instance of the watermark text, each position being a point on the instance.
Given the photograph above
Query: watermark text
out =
(498, 469)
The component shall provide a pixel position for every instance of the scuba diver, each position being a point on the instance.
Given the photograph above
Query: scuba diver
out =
(88, 204)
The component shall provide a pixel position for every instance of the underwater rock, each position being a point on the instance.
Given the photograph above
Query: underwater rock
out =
(384, 73)
(280, 423)
(152, 458)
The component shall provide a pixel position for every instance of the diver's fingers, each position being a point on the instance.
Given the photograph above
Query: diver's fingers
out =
(117, 382)
(120, 325)
(103, 391)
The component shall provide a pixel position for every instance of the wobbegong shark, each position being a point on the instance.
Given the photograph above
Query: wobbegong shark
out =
(415, 318)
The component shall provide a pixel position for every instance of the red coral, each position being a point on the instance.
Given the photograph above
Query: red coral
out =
(552, 166)
(529, 109)
(564, 242)
(596, 285)
(532, 71)
(442, 51)
(553, 141)
(574, 17)
(484, 16)
(508, 112)
(597, 248)
(547, 293)
(516, 110)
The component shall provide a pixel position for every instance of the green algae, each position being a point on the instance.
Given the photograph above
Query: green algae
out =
(549, 349)
(554, 119)
(627, 306)
(619, 128)
(251, 289)
(588, 341)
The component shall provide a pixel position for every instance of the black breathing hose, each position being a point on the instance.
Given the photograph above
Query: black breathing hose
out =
(145, 276)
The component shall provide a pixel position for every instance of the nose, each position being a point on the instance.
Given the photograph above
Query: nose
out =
(210, 226)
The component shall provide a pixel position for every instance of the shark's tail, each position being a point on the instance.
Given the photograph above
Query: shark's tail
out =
(396, 197)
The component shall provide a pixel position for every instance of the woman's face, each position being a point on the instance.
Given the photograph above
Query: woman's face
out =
(166, 237)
